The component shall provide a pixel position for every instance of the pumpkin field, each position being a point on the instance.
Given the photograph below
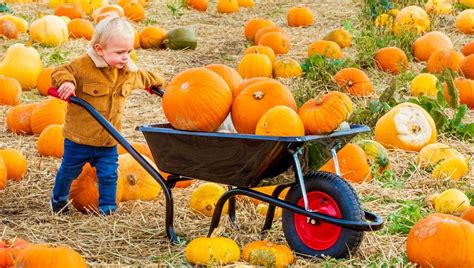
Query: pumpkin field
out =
(404, 68)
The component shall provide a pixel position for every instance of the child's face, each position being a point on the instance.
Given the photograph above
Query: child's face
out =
(117, 51)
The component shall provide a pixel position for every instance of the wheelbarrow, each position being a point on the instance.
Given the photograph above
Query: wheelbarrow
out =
(322, 215)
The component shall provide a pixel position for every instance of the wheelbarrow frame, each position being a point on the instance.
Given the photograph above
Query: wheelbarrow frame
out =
(373, 222)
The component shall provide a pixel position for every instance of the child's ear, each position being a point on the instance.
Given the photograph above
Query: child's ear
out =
(99, 49)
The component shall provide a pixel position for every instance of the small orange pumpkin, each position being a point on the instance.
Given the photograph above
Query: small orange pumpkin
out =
(10, 91)
(245, 3)
(43, 255)
(15, 162)
(465, 88)
(467, 67)
(44, 81)
(443, 59)
(323, 115)
(425, 45)
(353, 164)
(136, 39)
(465, 21)
(8, 29)
(227, 6)
(277, 41)
(51, 141)
(391, 59)
(269, 29)
(10, 250)
(70, 10)
(252, 26)
(255, 100)
(107, 10)
(325, 48)
(80, 28)
(267, 51)
(200, 5)
(468, 214)
(48, 112)
(18, 118)
(354, 81)
(468, 48)
(3, 183)
(268, 254)
(280, 121)
(342, 37)
(137, 182)
(299, 16)
(230, 75)
(255, 65)
(286, 68)
(134, 11)
(248, 82)
(152, 37)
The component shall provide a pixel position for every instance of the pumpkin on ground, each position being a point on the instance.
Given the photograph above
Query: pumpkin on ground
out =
(139, 146)
(152, 37)
(466, 67)
(70, 10)
(353, 164)
(465, 89)
(10, 91)
(181, 38)
(453, 168)
(227, 6)
(255, 100)
(406, 126)
(18, 118)
(10, 250)
(80, 28)
(354, 81)
(267, 254)
(49, 30)
(43, 255)
(3, 176)
(138, 184)
(51, 141)
(433, 154)
(245, 3)
(443, 59)
(200, 5)
(432, 239)
(465, 21)
(21, 24)
(279, 43)
(204, 198)
(252, 26)
(280, 121)
(342, 37)
(411, 18)
(325, 114)
(48, 112)
(212, 251)
(376, 153)
(438, 7)
(299, 16)
(468, 214)
(22, 63)
(269, 29)
(391, 59)
(15, 162)
(264, 50)
(186, 103)
(424, 84)
(287, 68)
(44, 81)
(8, 29)
(328, 49)
(468, 48)
(230, 75)
(85, 190)
(425, 45)
(255, 65)
(134, 11)
(451, 201)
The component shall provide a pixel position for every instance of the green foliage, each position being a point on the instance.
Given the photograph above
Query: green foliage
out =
(4, 8)
(58, 57)
(377, 7)
(322, 69)
(176, 7)
(388, 179)
(402, 220)
(460, 7)
(150, 21)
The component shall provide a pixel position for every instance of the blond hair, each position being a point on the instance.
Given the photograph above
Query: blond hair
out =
(112, 26)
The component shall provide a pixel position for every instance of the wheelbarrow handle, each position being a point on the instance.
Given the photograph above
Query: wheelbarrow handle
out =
(52, 91)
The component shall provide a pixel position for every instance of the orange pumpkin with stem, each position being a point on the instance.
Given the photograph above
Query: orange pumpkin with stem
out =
(465, 88)
(325, 48)
(18, 118)
(107, 10)
(287, 68)
(465, 21)
(354, 81)
(324, 114)
(152, 37)
(15, 162)
(277, 41)
(252, 26)
(227, 6)
(267, 51)
(255, 100)
(10, 91)
(245, 3)
(134, 11)
(280, 121)
(43, 255)
(353, 164)
(443, 59)
(425, 45)
(391, 59)
(269, 29)
(299, 16)
(230, 75)
(44, 81)
(255, 65)
(48, 112)
(138, 184)
(441, 233)
(51, 141)
(80, 28)
(187, 98)
(200, 5)
(10, 250)
(70, 10)
(342, 37)
(248, 82)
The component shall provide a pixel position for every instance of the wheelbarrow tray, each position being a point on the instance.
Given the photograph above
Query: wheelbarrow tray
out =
(241, 160)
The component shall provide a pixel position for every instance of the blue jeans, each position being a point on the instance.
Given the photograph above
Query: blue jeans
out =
(104, 159)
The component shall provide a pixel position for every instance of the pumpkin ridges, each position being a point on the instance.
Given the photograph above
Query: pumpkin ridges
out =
(230, 75)
(10, 91)
(138, 183)
(253, 25)
(391, 59)
(15, 162)
(51, 141)
(355, 81)
(443, 59)
(425, 45)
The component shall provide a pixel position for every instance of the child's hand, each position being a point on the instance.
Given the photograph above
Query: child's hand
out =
(66, 90)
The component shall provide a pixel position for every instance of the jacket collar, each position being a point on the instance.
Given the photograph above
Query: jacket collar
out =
(100, 62)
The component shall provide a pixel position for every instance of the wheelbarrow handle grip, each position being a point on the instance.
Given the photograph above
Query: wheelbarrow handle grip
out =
(52, 91)
(156, 90)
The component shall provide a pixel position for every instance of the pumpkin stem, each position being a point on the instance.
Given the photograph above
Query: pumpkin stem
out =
(209, 208)
(132, 180)
(258, 95)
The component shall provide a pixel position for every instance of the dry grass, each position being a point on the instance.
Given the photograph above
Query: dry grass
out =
(135, 235)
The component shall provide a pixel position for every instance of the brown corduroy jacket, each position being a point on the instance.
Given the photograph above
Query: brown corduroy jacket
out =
(97, 84)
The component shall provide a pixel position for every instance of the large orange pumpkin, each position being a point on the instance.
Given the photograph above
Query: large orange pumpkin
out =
(342, 37)
(279, 43)
(134, 11)
(51, 141)
(299, 16)
(441, 240)
(465, 88)
(425, 45)
(70, 10)
(18, 118)
(139, 146)
(252, 26)
(8, 29)
(323, 115)
(47, 112)
(287, 68)
(465, 21)
(230, 75)
(280, 121)
(200, 5)
(406, 126)
(80, 28)
(43, 255)
(10, 91)
(10, 250)
(255, 100)
(152, 37)
(248, 82)
(269, 29)
(15, 162)
(197, 99)
(353, 164)
(264, 50)
(255, 65)
(85, 190)
(138, 184)
(354, 81)
(443, 59)
(44, 80)
(325, 48)
(391, 59)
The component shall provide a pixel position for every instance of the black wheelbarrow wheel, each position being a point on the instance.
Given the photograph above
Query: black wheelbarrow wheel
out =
(327, 194)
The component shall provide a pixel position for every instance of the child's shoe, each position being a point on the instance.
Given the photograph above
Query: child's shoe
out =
(58, 207)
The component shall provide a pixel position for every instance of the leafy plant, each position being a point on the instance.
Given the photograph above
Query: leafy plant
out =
(321, 69)
(402, 220)
(388, 179)
(378, 7)
(58, 57)
(176, 7)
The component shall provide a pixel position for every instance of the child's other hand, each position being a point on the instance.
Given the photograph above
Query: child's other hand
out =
(66, 90)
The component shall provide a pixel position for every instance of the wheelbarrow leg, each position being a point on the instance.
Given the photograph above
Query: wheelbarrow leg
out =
(169, 216)
(216, 217)
(271, 208)
(232, 217)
